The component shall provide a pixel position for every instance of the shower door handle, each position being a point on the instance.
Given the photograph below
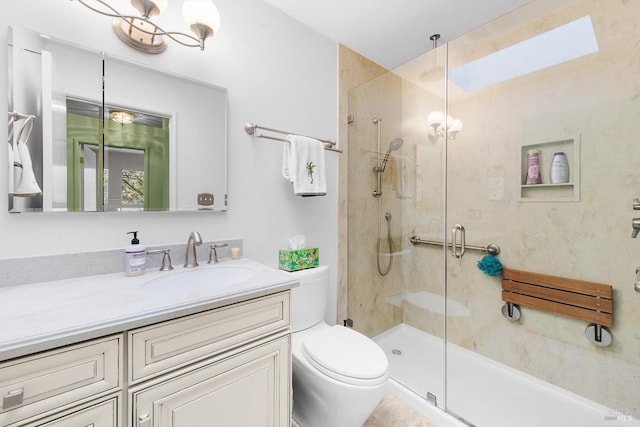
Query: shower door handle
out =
(457, 230)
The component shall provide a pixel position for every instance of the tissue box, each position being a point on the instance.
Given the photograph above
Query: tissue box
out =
(298, 259)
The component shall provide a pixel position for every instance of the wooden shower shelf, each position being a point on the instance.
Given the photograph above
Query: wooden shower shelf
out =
(588, 301)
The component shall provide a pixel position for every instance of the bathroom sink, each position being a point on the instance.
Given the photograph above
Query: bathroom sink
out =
(210, 278)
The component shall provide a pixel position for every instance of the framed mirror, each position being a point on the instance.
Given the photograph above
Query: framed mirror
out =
(92, 132)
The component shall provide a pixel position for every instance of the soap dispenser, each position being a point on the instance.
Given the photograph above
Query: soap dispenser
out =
(135, 255)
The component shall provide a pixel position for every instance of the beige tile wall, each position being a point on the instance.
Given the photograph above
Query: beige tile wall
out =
(354, 70)
(594, 99)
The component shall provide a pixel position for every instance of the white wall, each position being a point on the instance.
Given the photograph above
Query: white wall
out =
(279, 74)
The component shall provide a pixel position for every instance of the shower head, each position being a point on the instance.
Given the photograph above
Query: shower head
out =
(394, 145)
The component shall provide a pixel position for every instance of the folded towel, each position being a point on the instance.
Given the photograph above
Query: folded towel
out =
(25, 184)
(303, 165)
(11, 172)
(24, 180)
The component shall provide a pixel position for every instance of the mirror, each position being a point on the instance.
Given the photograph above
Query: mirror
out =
(92, 132)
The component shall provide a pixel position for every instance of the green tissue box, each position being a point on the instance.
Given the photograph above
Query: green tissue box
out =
(298, 259)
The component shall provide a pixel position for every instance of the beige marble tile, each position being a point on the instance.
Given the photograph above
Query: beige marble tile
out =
(595, 99)
(392, 412)
(355, 69)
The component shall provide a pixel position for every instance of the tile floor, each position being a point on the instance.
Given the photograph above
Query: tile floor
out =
(392, 412)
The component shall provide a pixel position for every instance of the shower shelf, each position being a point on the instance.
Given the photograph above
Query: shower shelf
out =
(396, 253)
(547, 192)
(566, 184)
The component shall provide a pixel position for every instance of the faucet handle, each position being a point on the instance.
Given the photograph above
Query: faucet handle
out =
(166, 258)
(635, 225)
(213, 254)
(636, 204)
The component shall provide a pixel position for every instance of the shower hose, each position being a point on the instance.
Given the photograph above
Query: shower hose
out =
(385, 271)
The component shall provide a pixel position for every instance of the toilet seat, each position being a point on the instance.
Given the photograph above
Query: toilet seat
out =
(346, 356)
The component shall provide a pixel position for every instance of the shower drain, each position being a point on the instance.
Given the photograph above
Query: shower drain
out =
(396, 352)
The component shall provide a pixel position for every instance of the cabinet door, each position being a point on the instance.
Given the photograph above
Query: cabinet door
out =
(249, 389)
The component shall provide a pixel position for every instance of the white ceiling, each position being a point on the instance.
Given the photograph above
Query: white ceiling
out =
(392, 32)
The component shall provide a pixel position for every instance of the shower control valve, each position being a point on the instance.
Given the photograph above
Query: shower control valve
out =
(635, 225)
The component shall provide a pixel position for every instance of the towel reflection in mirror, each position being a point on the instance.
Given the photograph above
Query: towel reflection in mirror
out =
(22, 181)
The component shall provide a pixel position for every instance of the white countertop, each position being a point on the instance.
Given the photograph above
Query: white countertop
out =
(41, 316)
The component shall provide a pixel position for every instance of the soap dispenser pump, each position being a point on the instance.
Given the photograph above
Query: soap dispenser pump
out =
(135, 255)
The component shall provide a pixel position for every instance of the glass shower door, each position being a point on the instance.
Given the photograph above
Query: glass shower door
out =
(543, 80)
(395, 289)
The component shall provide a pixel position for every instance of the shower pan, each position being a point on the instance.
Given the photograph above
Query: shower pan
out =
(436, 313)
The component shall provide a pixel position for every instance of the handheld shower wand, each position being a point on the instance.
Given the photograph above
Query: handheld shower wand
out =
(394, 145)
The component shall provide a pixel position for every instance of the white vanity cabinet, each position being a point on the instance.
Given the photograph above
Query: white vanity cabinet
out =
(229, 367)
(49, 383)
(224, 361)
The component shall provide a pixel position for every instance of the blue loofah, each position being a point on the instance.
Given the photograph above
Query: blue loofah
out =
(490, 265)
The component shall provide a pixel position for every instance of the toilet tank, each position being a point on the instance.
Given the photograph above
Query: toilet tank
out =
(309, 300)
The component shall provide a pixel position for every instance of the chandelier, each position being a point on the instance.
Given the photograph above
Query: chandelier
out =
(140, 33)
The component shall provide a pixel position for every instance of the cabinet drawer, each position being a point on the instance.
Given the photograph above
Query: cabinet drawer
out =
(55, 379)
(159, 348)
(103, 414)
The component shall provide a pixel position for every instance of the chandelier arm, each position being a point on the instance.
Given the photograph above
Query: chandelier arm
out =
(170, 34)
(129, 19)
(115, 13)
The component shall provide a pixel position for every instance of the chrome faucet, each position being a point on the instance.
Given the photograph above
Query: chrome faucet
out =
(191, 259)
(635, 225)
(213, 255)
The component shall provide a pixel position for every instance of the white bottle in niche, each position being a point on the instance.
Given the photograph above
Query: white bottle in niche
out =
(559, 168)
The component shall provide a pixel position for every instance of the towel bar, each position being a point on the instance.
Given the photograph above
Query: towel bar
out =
(251, 128)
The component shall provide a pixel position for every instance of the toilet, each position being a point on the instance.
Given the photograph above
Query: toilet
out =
(339, 375)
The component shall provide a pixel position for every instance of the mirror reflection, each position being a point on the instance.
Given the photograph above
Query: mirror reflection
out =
(135, 159)
(148, 140)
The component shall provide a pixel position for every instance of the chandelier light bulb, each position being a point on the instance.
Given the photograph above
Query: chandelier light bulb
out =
(435, 119)
(201, 12)
(455, 126)
(441, 124)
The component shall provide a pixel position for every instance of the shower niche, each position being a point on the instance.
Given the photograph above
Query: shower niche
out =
(546, 191)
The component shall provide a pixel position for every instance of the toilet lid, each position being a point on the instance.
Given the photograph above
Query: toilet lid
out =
(345, 355)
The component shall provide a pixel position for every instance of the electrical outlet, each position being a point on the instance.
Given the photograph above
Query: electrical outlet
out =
(205, 199)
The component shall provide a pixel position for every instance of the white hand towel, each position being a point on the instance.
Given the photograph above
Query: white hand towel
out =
(25, 185)
(286, 157)
(303, 165)
(24, 180)
(11, 171)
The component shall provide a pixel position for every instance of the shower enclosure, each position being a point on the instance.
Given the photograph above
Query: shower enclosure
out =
(549, 77)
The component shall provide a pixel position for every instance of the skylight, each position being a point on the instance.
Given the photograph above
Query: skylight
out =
(562, 44)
